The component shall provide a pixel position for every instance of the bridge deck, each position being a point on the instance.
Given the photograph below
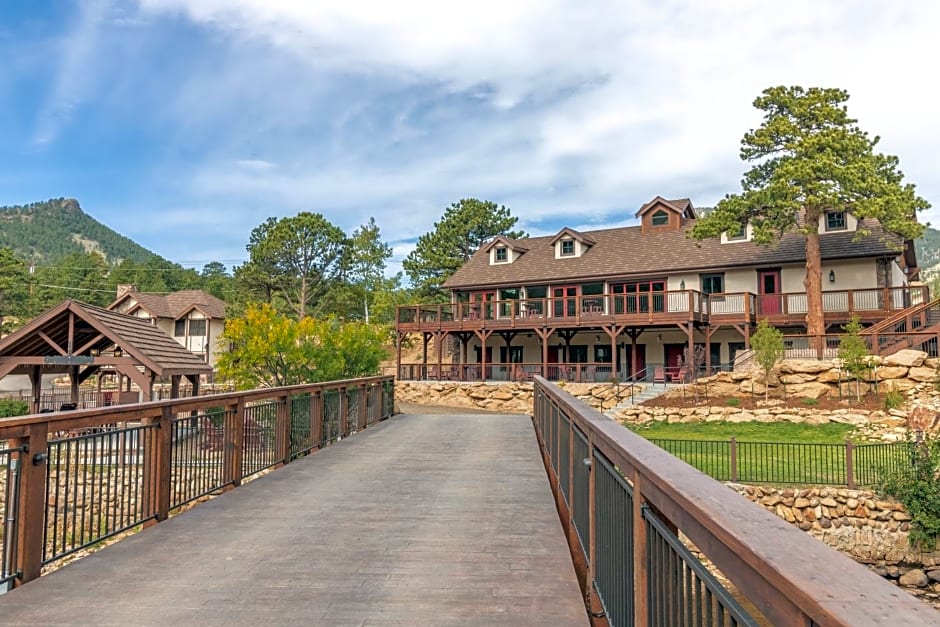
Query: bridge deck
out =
(423, 519)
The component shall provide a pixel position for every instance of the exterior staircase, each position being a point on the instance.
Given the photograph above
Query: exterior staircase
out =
(915, 327)
(649, 391)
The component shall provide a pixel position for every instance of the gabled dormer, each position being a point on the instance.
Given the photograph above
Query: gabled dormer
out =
(504, 250)
(837, 222)
(660, 214)
(570, 244)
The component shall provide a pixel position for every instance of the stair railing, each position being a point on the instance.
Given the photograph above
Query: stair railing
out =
(905, 315)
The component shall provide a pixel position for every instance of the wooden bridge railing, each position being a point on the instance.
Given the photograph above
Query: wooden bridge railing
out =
(624, 502)
(71, 479)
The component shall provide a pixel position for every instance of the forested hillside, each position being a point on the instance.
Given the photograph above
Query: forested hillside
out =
(928, 249)
(50, 231)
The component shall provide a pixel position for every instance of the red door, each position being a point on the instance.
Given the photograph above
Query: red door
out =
(631, 368)
(768, 285)
(673, 355)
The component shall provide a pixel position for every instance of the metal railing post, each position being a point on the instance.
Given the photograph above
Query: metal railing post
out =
(640, 559)
(849, 464)
(734, 458)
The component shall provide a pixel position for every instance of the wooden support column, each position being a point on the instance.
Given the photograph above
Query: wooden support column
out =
(709, 329)
(464, 337)
(35, 380)
(399, 340)
(483, 334)
(425, 338)
(73, 385)
(544, 334)
(613, 331)
(508, 337)
(633, 334)
(175, 385)
(439, 344)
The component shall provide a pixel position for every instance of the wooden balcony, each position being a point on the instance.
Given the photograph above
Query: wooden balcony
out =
(656, 309)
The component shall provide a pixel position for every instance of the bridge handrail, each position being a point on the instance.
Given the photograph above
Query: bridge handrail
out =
(762, 555)
(157, 449)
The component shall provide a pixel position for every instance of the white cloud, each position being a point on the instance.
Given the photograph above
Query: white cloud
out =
(564, 110)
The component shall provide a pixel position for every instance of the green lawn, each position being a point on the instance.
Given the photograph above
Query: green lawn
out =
(829, 433)
(776, 453)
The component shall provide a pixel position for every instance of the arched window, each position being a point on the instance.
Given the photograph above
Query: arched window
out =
(660, 218)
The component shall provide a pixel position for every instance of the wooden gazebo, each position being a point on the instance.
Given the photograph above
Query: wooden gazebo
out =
(80, 340)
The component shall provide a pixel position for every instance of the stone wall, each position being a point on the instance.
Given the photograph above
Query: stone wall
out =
(905, 371)
(887, 426)
(859, 523)
(507, 397)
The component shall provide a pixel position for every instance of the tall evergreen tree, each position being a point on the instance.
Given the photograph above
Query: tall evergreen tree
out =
(465, 226)
(810, 157)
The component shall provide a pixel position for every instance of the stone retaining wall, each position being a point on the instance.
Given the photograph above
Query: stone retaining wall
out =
(859, 523)
(904, 371)
(508, 397)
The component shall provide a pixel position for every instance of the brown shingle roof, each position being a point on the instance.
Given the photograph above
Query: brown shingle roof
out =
(137, 337)
(628, 252)
(176, 304)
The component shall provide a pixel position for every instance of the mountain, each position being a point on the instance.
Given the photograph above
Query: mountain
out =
(928, 249)
(51, 230)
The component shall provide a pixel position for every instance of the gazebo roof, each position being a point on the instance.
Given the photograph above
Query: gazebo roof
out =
(77, 334)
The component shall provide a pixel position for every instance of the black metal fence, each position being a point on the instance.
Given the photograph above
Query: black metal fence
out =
(791, 463)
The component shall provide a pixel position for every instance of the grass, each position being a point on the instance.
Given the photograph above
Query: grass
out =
(781, 453)
(829, 433)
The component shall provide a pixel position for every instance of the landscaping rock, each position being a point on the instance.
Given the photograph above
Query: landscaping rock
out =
(913, 578)
(907, 358)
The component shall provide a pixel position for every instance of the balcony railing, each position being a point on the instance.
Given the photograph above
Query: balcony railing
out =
(651, 308)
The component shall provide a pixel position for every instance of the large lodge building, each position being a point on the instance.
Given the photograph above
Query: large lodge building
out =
(638, 301)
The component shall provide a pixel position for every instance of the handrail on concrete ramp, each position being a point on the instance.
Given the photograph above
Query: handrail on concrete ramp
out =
(788, 576)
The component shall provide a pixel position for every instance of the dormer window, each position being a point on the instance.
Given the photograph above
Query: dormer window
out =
(740, 234)
(835, 221)
(502, 254)
(567, 247)
(660, 218)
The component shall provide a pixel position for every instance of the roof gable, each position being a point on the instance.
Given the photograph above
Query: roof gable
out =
(569, 233)
(502, 240)
(682, 206)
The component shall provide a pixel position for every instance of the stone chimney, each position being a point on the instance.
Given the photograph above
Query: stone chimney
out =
(124, 289)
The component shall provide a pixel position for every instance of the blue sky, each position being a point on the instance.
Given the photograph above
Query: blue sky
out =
(183, 124)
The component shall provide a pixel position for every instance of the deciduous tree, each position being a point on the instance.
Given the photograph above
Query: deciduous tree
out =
(465, 226)
(810, 157)
(767, 344)
(270, 349)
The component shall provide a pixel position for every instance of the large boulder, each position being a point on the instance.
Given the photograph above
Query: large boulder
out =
(884, 372)
(922, 374)
(830, 376)
(797, 377)
(805, 366)
(812, 389)
(908, 358)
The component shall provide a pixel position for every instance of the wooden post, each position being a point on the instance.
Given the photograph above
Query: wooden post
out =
(640, 570)
(32, 501)
(316, 418)
(235, 441)
(282, 422)
(160, 461)
(343, 412)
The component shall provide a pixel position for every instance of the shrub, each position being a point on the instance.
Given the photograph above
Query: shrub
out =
(811, 402)
(916, 486)
(893, 399)
(13, 407)
(733, 402)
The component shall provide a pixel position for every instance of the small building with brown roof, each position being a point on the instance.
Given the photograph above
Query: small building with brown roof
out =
(81, 340)
(191, 317)
(641, 299)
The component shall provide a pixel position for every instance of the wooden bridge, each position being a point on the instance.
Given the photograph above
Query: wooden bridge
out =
(414, 519)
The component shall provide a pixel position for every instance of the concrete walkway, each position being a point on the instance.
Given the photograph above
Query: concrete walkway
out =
(421, 520)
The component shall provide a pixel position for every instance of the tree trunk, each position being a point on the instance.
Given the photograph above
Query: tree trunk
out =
(815, 319)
